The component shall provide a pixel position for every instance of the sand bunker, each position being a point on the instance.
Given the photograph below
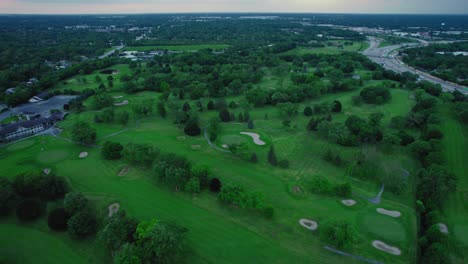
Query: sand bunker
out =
(113, 208)
(124, 171)
(46, 171)
(389, 213)
(195, 146)
(83, 155)
(125, 102)
(348, 202)
(309, 224)
(384, 247)
(225, 146)
(443, 228)
(181, 138)
(255, 137)
(117, 97)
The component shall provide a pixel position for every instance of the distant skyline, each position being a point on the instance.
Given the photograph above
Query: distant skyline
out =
(241, 6)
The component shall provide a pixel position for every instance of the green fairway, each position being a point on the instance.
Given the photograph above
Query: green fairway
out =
(384, 227)
(178, 47)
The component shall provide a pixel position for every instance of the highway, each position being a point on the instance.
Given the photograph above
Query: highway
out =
(388, 58)
(107, 54)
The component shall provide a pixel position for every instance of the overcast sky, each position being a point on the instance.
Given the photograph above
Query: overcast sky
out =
(179, 6)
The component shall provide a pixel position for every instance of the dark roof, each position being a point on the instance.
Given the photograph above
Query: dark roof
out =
(26, 124)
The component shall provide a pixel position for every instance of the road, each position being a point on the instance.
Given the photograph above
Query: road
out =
(107, 54)
(388, 58)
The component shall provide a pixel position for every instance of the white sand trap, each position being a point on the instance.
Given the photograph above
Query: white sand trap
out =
(443, 228)
(196, 147)
(225, 146)
(124, 102)
(113, 208)
(46, 171)
(255, 137)
(389, 213)
(117, 97)
(348, 202)
(83, 155)
(309, 224)
(124, 171)
(384, 247)
(181, 138)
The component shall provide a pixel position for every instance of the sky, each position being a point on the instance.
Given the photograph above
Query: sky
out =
(207, 6)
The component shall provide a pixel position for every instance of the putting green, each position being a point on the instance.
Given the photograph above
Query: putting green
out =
(232, 139)
(52, 156)
(383, 226)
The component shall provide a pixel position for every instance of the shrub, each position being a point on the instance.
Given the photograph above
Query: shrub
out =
(308, 111)
(58, 219)
(192, 128)
(284, 164)
(268, 211)
(215, 185)
(254, 158)
(53, 187)
(375, 95)
(29, 209)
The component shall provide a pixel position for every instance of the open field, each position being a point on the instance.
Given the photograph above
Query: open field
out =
(178, 47)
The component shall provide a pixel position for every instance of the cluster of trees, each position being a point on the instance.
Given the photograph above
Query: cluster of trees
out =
(152, 241)
(338, 233)
(375, 95)
(235, 195)
(321, 185)
(29, 194)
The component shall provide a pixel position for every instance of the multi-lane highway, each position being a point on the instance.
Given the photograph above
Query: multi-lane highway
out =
(388, 58)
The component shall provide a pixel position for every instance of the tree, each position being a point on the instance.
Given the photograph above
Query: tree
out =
(224, 115)
(232, 194)
(215, 185)
(435, 254)
(118, 230)
(193, 185)
(254, 158)
(82, 224)
(214, 128)
(272, 157)
(102, 100)
(53, 187)
(163, 242)
(161, 109)
(192, 128)
(29, 210)
(336, 106)
(308, 111)
(8, 197)
(122, 117)
(57, 219)
(250, 124)
(128, 254)
(186, 107)
(112, 150)
(210, 105)
(338, 233)
(75, 202)
(375, 95)
(283, 164)
(83, 133)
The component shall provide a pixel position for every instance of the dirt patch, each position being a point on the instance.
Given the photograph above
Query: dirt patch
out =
(124, 102)
(389, 213)
(46, 171)
(309, 224)
(113, 208)
(117, 97)
(348, 202)
(124, 171)
(83, 155)
(384, 247)
(196, 147)
(443, 228)
(181, 138)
